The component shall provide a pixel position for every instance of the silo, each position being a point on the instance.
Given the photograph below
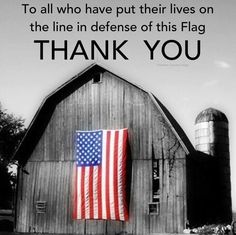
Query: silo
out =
(212, 138)
(211, 133)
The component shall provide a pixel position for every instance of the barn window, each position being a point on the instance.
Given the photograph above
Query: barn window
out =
(154, 208)
(97, 78)
(41, 207)
(155, 181)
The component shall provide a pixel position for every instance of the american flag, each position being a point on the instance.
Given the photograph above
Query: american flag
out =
(100, 175)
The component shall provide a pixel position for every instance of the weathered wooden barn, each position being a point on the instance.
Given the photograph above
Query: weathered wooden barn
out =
(159, 150)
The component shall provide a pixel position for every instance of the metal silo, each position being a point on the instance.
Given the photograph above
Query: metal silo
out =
(212, 138)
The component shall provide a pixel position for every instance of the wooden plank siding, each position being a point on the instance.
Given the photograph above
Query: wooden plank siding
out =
(110, 104)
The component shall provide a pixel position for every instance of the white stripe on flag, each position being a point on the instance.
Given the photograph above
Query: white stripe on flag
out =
(78, 192)
(95, 191)
(104, 143)
(86, 192)
(111, 175)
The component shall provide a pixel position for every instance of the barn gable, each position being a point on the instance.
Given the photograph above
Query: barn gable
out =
(48, 106)
(99, 99)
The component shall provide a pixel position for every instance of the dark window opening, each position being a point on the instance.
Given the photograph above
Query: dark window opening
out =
(154, 208)
(155, 179)
(97, 78)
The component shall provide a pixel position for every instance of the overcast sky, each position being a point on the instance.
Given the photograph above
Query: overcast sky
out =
(184, 87)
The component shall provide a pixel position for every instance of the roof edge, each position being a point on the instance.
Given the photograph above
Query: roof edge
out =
(180, 134)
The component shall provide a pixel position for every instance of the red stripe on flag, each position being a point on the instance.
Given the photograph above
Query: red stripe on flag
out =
(107, 175)
(115, 178)
(91, 209)
(99, 192)
(82, 190)
(124, 175)
(75, 192)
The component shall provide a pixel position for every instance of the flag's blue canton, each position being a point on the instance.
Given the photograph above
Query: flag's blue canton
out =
(89, 148)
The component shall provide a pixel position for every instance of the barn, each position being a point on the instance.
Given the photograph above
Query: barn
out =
(159, 171)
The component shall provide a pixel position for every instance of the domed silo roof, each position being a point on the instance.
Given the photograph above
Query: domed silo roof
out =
(211, 114)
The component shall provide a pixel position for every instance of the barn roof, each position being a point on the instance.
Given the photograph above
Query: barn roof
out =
(45, 111)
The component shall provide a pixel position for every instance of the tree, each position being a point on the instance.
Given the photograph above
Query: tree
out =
(12, 131)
